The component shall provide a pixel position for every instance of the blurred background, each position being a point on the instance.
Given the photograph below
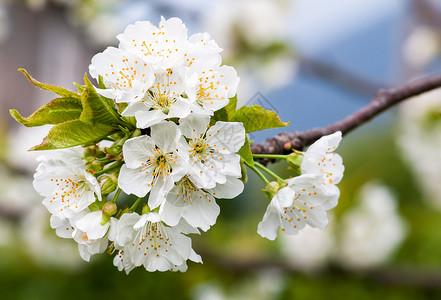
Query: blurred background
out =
(312, 61)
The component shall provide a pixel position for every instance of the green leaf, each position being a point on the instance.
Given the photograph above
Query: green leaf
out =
(255, 118)
(101, 84)
(80, 87)
(51, 88)
(245, 153)
(97, 109)
(225, 113)
(73, 133)
(232, 105)
(54, 112)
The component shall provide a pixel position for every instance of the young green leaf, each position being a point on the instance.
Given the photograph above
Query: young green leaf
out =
(80, 87)
(245, 152)
(225, 113)
(255, 118)
(74, 133)
(49, 87)
(54, 112)
(97, 109)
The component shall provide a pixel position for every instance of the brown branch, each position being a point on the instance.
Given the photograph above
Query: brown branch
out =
(384, 99)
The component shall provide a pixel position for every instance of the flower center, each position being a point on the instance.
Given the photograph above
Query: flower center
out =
(152, 237)
(161, 163)
(67, 190)
(199, 147)
(203, 93)
(160, 100)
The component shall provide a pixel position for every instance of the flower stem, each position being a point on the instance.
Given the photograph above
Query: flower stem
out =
(118, 191)
(135, 205)
(262, 167)
(259, 174)
(114, 166)
(271, 156)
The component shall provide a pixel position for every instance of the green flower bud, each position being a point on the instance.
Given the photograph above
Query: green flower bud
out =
(272, 187)
(114, 150)
(108, 183)
(89, 152)
(109, 209)
(95, 206)
(295, 161)
(94, 166)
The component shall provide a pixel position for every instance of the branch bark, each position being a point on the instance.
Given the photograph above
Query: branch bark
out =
(384, 99)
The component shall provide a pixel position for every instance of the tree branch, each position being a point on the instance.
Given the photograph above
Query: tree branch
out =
(384, 99)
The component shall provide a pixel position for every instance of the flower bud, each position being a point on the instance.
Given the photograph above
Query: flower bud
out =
(114, 150)
(295, 161)
(272, 187)
(89, 152)
(109, 209)
(94, 165)
(108, 183)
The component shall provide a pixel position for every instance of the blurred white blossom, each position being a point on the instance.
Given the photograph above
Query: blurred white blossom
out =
(262, 55)
(371, 231)
(310, 249)
(22, 139)
(265, 285)
(41, 243)
(419, 138)
(421, 46)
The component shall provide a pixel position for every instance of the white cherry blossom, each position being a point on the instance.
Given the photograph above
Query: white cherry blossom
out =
(152, 163)
(163, 100)
(321, 159)
(147, 241)
(62, 179)
(123, 261)
(201, 46)
(197, 206)
(90, 234)
(163, 47)
(303, 201)
(126, 76)
(211, 85)
(211, 149)
(63, 227)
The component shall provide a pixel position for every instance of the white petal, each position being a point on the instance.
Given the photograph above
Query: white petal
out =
(228, 137)
(132, 181)
(125, 230)
(230, 189)
(62, 227)
(137, 150)
(267, 228)
(179, 109)
(166, 136)
(149, 118)
(91, 224)
(194, 125)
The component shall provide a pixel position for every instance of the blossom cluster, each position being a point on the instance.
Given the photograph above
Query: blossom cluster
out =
(304, 200)
(180, 160)
(163, 126)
